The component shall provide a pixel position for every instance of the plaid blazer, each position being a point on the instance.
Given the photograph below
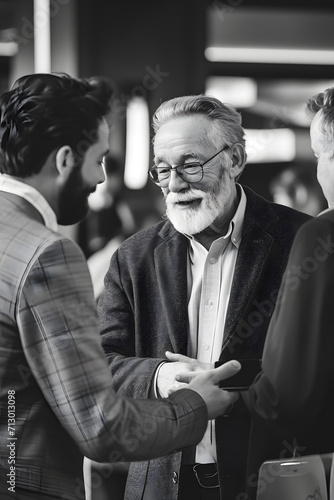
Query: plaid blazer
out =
(56, 400)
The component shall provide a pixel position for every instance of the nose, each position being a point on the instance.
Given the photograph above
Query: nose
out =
(176, 184)
(101, 175)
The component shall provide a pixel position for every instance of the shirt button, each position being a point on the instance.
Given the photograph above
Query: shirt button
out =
(206, 347)
(210, 303)
(175, 477)
(213, 260)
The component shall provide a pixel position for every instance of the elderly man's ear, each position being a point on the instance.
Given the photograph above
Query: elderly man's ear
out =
(238, 160)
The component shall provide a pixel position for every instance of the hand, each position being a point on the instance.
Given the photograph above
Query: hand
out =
(168, 371)
(217, 400)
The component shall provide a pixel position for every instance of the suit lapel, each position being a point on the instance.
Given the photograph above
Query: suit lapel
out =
(171, 269)
(253, 253)
(254, 250)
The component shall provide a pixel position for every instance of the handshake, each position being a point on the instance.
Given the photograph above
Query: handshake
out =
(182, 371)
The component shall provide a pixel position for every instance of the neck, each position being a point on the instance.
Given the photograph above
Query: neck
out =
(44, 186)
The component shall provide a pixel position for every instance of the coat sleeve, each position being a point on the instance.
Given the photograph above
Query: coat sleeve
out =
(294, 388)
(57, 322)
(133, 375)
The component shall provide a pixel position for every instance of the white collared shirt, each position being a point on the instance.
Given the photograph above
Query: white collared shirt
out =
(10, 185)
(210, 277)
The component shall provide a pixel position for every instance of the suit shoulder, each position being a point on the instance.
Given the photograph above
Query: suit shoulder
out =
(322, 225)
(153, 234)
(289, 214)
(272, 216)
(288, 223)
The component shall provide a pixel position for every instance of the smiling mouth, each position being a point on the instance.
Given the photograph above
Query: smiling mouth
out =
(189, 203)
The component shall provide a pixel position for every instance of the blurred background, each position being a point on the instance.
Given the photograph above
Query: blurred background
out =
(266, 58)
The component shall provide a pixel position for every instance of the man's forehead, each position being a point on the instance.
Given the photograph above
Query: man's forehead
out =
(181, 131)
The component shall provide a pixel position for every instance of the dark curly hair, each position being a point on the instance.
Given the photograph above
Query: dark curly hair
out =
(43, 112)
(323, 101)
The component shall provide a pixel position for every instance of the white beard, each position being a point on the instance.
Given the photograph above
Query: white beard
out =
(195, 220)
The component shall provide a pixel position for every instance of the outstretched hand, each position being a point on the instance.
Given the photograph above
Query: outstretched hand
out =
(218, 401)
(168, 371)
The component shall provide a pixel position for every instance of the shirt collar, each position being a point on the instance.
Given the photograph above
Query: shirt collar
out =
(236, 224)
(329, 209)
(238, 219)
(34, 197)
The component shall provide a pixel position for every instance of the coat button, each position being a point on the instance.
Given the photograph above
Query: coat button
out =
(175, 477)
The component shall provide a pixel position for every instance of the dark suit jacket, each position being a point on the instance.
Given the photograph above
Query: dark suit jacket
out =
(55, 385)
(293, 398)
(143, 313)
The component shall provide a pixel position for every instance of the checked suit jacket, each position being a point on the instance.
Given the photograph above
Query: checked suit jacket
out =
(53, 370)
(143, 313)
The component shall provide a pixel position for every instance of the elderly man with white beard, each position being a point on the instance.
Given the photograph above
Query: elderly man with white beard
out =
(195, 290)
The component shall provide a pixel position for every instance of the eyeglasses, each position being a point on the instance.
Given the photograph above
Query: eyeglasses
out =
(189, 172)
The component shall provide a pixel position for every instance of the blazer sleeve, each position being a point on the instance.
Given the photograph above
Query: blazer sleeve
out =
(133, 375)
(294, 388)
(57, 321)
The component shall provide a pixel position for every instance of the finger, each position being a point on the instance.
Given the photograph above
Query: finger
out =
(186, 377)
(225, 371)
(216, 375)
(234, 396)
(177, 388)
(172, 356)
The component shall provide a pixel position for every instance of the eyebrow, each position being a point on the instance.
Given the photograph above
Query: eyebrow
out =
(183, 158)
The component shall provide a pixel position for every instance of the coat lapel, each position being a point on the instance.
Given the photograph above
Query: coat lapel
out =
(170, 260)
(254, 250)
(171, 269)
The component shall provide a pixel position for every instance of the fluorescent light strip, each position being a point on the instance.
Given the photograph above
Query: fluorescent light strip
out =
(137, 143)
(8, 49)
(238, 91)
(269, 55)
(42, 36)
(270, 145)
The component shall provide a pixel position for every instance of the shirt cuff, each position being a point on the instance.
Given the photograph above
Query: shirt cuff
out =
(156, 392)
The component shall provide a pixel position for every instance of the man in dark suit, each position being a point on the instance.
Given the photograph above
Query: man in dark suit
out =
(57, 402)
(201, 285)
(294, 395)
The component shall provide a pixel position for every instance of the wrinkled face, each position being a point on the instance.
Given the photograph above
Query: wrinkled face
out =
(83, 179)
(324, 152)
(194, 207)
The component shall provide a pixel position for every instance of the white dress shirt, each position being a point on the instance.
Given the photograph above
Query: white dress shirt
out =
(210, 277)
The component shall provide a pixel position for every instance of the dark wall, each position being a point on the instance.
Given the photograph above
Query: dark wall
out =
(153, 47)
(156, 49)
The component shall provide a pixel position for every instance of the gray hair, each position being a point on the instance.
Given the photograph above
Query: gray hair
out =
(225, 119)
(323, 102)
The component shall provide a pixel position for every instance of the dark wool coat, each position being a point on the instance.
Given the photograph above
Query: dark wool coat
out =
(293, 398)
(143, 313)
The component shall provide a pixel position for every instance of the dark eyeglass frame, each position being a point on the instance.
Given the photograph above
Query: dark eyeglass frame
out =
(155, 170)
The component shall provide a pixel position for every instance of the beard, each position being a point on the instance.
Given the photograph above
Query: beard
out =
(193, 211)
(73, 199)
